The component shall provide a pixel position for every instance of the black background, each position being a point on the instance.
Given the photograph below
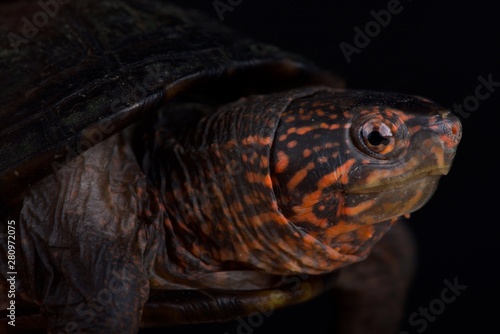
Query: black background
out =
(433, 49)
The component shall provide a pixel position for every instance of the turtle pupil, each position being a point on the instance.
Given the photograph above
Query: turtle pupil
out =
(375, 138)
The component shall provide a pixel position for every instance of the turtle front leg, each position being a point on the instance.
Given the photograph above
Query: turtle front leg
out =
(87, 242)
(86, 277)
(370, 296)
(113, 292)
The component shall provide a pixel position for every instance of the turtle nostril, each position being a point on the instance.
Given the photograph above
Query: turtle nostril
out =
(451, 123)
(452, 131)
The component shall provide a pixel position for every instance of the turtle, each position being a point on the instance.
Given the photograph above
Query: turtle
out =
(158, 169)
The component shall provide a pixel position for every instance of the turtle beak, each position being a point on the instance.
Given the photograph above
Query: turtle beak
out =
(448, 129)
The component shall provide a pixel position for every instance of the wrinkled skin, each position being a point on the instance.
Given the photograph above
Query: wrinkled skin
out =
(303, 182)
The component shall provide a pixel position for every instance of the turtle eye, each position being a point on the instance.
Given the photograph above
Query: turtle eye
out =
(377, 136)
(382, 135)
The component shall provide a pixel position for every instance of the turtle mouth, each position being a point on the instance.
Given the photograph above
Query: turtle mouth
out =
(383, 202)
(400, 182)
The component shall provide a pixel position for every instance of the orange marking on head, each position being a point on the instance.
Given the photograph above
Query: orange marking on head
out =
(282, 162)
(340, 174)
(319, 112)
(299, 176)
(309, 200)
(307, 152)
(322, 160)
(412, 203)
(356, 210)
(438, 152)
(340, 228)
(404, 116)
(332, 116)
(366, 232)
(307, 214)
(292, 144)
(449, 141)
(334, 126)
(345, 238)
(305, 129)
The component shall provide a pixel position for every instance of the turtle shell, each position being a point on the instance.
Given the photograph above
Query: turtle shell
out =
(75, 73)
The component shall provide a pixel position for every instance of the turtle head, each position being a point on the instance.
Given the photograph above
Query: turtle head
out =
(344, 160)
(306, 180)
